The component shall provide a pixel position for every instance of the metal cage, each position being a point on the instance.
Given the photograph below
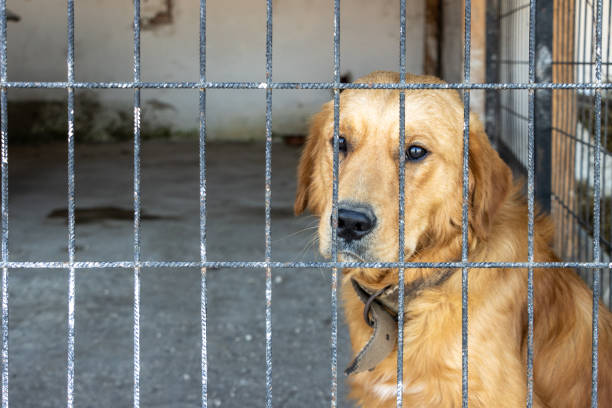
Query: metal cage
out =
(577, 85)
(570, 47)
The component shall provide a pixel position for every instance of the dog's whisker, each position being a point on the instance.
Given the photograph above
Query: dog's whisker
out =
(293, 234)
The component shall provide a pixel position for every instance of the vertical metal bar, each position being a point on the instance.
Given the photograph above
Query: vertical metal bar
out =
(334, 277)
(267, 198)
(596, 212)
(401, 203)
(530, 201)
(580, 208)
(203, 255)
(606, 156)
(464, 219)
(5, 230)
(137, 112)
(71, 206)
(606, 132)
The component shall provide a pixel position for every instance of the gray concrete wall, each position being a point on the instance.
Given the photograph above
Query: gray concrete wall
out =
(303, 51)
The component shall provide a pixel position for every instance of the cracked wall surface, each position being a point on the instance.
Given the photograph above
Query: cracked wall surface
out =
(155, 13)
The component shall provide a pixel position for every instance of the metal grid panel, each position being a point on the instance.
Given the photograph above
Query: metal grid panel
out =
(575, 56)
(524, 84)
(574, 124)
(579, 130)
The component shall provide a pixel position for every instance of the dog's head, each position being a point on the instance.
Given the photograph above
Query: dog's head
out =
(368, 172)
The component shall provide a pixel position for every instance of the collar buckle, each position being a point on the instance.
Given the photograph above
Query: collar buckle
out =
(368, 305)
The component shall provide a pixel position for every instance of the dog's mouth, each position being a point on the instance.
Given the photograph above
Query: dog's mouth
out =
(346, 255)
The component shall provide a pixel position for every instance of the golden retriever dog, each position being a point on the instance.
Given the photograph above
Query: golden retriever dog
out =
(368, 232)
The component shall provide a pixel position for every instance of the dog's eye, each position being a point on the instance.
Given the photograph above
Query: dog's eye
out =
(415, 152)
(342, 145)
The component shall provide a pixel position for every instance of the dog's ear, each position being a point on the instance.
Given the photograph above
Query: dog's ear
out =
(305, 198)
(490, 181)
(304, 176)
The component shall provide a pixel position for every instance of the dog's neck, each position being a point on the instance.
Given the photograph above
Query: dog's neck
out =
(378, 278)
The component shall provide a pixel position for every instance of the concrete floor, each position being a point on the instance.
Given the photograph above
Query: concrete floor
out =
(170, 306)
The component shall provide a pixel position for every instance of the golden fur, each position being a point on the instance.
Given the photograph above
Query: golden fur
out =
(497, 347)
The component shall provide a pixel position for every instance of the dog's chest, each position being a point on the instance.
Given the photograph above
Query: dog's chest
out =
(431, 360)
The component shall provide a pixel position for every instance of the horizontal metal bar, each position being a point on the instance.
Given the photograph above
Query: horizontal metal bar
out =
(513, 11)
(513, 62)
(579, 63)
(577, 140)
(300, 85)
(523, 62)
(580, 221)
(301, 265)
(514, 113)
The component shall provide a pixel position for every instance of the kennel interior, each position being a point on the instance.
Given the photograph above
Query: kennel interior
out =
(566, 120)
(176, 285)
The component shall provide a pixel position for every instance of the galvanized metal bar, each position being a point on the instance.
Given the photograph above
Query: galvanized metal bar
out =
(581, 71)
(514, 113)
(203, 254)
(597, 210)
(536, 86)
(530, 201)
(299, 85)
(514, 10)
(572, 136)
(401, 198)
(606, 64)
(465, 216)
(297, 265)
(606, 124)
(334, 277)
(268, 195)
(4, 189)
(71, 206)
(137, 117)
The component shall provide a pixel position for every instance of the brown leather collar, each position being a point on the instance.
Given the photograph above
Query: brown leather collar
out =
(380, 312)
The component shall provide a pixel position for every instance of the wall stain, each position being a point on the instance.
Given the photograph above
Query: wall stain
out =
(40, 121)
(157, 13)
(156, 104)
(93, 214)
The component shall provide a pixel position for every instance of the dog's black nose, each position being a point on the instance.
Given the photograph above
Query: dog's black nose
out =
(354, 225)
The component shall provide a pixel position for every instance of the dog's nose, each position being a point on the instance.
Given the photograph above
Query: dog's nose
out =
(354, 225)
